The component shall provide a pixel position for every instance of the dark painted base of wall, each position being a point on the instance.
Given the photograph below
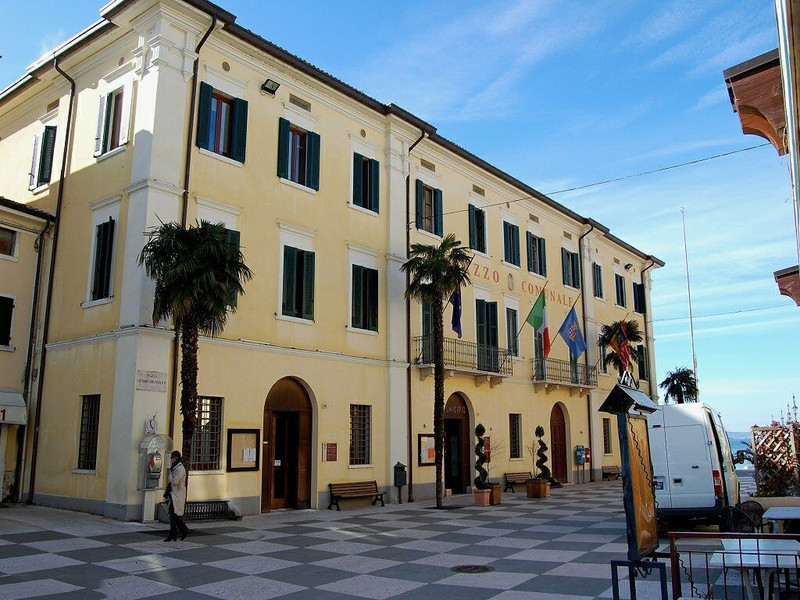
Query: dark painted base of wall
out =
(119, 512)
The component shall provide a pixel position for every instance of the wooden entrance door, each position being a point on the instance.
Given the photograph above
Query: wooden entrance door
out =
(286, 464)
(456, 445)
(558, 443)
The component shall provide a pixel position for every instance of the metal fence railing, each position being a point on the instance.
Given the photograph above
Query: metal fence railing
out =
(461, 354)
(564, 371)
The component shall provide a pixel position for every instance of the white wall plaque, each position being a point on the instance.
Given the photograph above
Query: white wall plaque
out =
(151, 381)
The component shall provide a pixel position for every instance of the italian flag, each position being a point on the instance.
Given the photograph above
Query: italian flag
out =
(538, 320)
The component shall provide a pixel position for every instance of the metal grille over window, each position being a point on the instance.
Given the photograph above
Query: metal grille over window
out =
(515, 435)
(90, 419)
(360, 415)
(606, 436)
(206, 444)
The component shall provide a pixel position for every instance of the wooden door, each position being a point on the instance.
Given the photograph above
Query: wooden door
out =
(284, 460)
(453, 479)
(558, 443)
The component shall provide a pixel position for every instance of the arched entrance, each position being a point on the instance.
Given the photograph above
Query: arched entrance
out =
(558, 443)
(286, 451)
(456, 444)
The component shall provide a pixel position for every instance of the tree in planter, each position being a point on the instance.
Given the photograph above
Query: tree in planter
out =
(199, 272)
(622, 334)
(482, 480)
(435, 273)
(541, 456)
(680, 385)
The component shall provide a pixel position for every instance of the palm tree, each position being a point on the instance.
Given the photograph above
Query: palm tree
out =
(632, 335)
(199, 273)
(680, 385)
(435, 273)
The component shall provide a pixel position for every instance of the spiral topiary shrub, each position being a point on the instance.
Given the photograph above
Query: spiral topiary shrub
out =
(481, 481)
(541, 455)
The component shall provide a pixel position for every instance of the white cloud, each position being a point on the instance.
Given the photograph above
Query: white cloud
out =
(671, 19)
(51, 40)
(718, 95)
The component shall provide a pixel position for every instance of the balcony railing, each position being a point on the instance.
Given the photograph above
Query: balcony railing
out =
(461, 355)
(573, 374)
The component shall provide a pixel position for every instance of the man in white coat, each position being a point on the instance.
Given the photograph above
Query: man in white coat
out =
(176, 495)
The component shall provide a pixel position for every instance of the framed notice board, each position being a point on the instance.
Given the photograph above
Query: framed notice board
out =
(637, 489)
(244, 450)
(426, 450)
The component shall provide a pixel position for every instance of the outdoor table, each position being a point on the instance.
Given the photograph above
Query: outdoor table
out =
(759, 555)
(782, 513)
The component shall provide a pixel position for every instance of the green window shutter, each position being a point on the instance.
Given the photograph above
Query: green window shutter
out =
(511, 330)
(104, 252)
(46, 159)
(372, 298)
(529, 244)
(542, 258)
(515, 244)
(576, 271)
(374, 185)
(289, 280)
(233, 237)
(565, 266)
(506, 242)
(312, 161)
(438, 216)
(358, 174)
(308, 285)
(491, 323)
(473, 233)
(420, 207)
(283, 148)
(358, 297)
(6, 313)
(204, 114)
(427, 319)
(239, 125)
(480, 321)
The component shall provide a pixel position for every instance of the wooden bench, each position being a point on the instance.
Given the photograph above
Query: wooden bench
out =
(612, 471)
(512, 478)
(354, 489)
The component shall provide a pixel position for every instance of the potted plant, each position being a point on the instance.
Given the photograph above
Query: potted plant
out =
(539, 487)
(493, 449)
(481, 490)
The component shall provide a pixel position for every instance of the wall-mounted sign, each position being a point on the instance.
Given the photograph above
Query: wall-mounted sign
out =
(426, 450)
(243, 449)
(151, 381)
(478, 271)
(330, 452)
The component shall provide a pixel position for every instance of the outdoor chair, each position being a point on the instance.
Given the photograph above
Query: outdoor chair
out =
(736, 520)
(755, 511)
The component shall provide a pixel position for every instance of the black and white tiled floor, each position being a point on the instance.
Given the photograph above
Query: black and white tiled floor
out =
(553, 549)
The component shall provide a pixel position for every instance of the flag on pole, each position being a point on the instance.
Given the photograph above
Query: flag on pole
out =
(538, 320)
(571, 332)
(455, 300)
(619, 344)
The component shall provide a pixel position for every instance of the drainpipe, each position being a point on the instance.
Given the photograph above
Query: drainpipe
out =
(52, 270)
(646, 328)
(586, 354)
(408, 325)
(184, 211)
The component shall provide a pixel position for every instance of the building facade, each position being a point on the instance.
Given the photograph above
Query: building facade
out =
(170, 111)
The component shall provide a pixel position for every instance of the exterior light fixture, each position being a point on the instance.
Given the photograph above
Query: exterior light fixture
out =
(629, 266)
(270, 87)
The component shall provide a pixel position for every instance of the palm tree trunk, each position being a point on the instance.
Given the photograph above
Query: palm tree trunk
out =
(438, 395)
(189, 336)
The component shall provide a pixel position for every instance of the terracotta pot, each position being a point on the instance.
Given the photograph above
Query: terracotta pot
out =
(481, 497)
(495, 496)
(537, 488)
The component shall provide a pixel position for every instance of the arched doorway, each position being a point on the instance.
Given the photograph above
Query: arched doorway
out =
(558, 443)
(286, 451)
(456, 444)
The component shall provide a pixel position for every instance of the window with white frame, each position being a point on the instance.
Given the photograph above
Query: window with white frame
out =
(44, 144)
(606, 435)
(360, 442)
(297, 273)
(206, 444)
(619, 288)
(104, 235)
(6, 320)
(511, 331)
(8, 242)
(570, 268)
(87, 442)
(364, 311)
(113, 118)
(515, 435)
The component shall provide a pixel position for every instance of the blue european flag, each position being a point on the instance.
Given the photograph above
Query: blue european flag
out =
(571, 332)
(455, 300)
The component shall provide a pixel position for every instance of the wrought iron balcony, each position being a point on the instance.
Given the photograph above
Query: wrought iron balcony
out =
(551, 374)
(487, 363)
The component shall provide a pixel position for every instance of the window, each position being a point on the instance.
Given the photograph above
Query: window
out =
(429, 209)
(204, 453)
(8, 242)
(511, 331)
(427, 333)
(638, 298)
(360, 416)
(6, 316)
(603, 353)
(619, 284)
(42, 158)
(298, 154)
(510, 243)
(597, 277)
(233, 237)
(365, 298)
(570, 268)
(103, 260)
(221, 123)
(641, 362)
(477, 229)
(606, 435)
(515, 435)
(90, 420)
(538, 354)
(537, 256)
(573, 368)
(486, 330)
(113, 120)
(298, 283)
(366, 182)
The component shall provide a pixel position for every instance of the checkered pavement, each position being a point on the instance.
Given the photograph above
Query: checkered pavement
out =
(552, 549)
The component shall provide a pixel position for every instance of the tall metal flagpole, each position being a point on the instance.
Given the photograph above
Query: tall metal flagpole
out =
(689, 294)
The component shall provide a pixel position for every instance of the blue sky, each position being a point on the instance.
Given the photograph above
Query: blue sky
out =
(563, 94)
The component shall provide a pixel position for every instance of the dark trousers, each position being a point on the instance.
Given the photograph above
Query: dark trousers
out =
(176, 523)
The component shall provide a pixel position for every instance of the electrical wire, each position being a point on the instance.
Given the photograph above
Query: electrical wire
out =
(732, 312)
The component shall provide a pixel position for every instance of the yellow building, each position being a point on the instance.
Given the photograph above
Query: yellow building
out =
(172, 111)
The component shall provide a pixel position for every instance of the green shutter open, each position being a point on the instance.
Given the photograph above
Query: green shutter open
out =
(420, 205)
(308, 285)
(542, 258)
(372, 299)
(576, 271)
(204, 114)
(46, 158)
(289, 280)
(515, 245)
(473, 233)
(374, 185)
(312, 161)
(491, 324)
(438, 216)
(358, 179)
(239, 124)
(283, 148)
(358, 297)
(565, 274)
(480, 321)
(529, 242)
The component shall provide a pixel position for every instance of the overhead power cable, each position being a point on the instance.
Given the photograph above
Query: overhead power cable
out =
(732, 312)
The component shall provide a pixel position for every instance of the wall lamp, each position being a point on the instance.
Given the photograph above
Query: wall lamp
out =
(629, 266)
(270, 87)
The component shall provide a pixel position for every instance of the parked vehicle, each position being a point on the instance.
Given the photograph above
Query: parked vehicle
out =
(693, 470)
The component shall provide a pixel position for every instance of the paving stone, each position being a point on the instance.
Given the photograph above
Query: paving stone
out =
(370, 586)
(34, 589)
(251, 587)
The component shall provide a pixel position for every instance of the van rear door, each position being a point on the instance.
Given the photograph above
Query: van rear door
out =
(690, 479)
(724, 456)
(658, 456)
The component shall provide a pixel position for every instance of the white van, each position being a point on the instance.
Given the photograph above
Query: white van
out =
(693, 470)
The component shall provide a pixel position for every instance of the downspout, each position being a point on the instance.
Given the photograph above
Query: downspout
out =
(586, 354)
(408, 326)
(21, 437)
(173, 392)
(646, 328)
(52, 270)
